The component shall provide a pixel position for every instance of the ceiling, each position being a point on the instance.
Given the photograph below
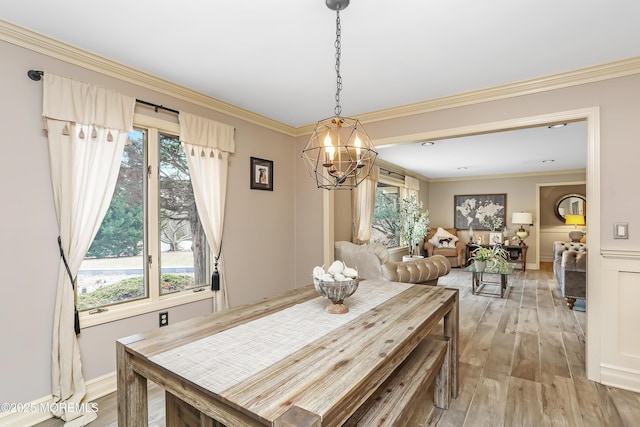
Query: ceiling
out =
(277, 59)
(533, 150)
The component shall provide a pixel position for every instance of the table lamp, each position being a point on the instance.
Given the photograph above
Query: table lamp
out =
(575, 220)
(522, 218)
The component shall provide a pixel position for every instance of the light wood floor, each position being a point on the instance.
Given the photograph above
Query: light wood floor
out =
(522, 363)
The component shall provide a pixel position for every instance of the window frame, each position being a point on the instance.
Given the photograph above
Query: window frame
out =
(154, 300)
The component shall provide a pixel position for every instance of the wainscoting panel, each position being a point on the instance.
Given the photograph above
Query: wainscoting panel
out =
(620, 293)
(629, 314)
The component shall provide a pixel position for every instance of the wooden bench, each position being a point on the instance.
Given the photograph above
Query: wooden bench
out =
(392, 404)
(398, 397)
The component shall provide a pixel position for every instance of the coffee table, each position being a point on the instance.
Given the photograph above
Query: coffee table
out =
(478, 280)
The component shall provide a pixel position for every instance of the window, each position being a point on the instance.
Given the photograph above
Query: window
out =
(151, 244)
(384, 227)
(183, 248)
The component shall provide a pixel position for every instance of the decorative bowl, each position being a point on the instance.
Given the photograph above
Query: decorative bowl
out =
(336, 292)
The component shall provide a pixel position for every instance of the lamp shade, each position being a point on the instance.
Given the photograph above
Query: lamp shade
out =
(522, 218)
(574, 219)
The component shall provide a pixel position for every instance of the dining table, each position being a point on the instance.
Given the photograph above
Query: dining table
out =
(284, 360)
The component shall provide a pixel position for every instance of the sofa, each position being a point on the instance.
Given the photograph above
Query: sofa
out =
(570, 269)
(372, 262)
(445, 242)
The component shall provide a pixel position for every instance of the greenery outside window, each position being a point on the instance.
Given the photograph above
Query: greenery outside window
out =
(151, 244)
(384, 227)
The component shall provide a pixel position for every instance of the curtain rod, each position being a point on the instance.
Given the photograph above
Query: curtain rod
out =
(390, 172)
(36, 75)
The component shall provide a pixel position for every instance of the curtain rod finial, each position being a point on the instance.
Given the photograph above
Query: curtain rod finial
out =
(35, 75)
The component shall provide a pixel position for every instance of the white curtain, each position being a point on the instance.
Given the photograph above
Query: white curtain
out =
(411, 188)
(208, 145)
(87, 130)
(363, 199)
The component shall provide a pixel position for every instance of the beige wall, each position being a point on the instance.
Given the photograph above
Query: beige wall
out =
(343, 216)
(260, 229)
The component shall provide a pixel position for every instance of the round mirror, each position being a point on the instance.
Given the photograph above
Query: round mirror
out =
(571, 204)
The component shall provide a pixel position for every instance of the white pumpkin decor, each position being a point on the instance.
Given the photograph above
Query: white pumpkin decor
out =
(337, 272)
(336, 284)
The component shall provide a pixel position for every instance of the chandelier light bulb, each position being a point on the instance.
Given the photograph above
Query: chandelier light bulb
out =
(357, 144)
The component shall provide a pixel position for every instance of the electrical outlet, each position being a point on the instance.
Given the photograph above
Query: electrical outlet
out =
(164, 318)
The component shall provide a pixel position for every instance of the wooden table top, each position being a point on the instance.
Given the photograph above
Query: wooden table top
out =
(329, 376)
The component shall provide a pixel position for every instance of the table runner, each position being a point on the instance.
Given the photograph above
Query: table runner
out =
(227, 358)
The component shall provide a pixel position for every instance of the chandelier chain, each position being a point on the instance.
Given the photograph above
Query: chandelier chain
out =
(338, 109)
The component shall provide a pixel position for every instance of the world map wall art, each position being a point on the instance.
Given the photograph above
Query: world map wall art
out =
(472, 210)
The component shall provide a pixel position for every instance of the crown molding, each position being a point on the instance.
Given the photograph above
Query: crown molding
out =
(512, 175)
(46, 45)
(625, 67)
(592, 74)
(53, 48)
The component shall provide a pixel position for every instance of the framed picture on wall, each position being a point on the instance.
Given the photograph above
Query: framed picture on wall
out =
(495, 238)
(261, 176)
(472, 210)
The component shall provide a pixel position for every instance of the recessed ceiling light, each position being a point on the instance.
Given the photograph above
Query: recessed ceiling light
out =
(557, 125)
(427, 143)
(462, 168)
(548, 161)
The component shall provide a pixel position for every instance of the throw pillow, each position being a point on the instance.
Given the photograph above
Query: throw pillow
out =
(444, 243)
(441, 233)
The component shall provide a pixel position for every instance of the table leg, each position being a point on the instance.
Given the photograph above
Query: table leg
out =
(132, 391)
(451, 321)
(475, 282)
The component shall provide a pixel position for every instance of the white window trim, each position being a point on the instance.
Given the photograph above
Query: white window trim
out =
(142, 306)
(154, 301)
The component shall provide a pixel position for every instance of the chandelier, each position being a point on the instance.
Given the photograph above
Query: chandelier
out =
(339, 154)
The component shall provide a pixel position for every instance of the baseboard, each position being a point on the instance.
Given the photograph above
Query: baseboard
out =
(101, 386)
(616, 376)
(96, 388)
(29, 416)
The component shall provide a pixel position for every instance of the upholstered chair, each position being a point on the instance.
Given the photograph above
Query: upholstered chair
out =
(570, 268)
(454, 250)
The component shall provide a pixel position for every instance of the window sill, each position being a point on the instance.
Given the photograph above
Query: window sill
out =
(396, 254)
(139, 307)
(399, 250)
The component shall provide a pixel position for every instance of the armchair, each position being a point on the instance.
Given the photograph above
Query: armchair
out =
(437, 243)
(372, 262)
(570, 268)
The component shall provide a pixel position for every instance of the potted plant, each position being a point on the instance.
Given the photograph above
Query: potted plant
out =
(495, 258)
(413, 223)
